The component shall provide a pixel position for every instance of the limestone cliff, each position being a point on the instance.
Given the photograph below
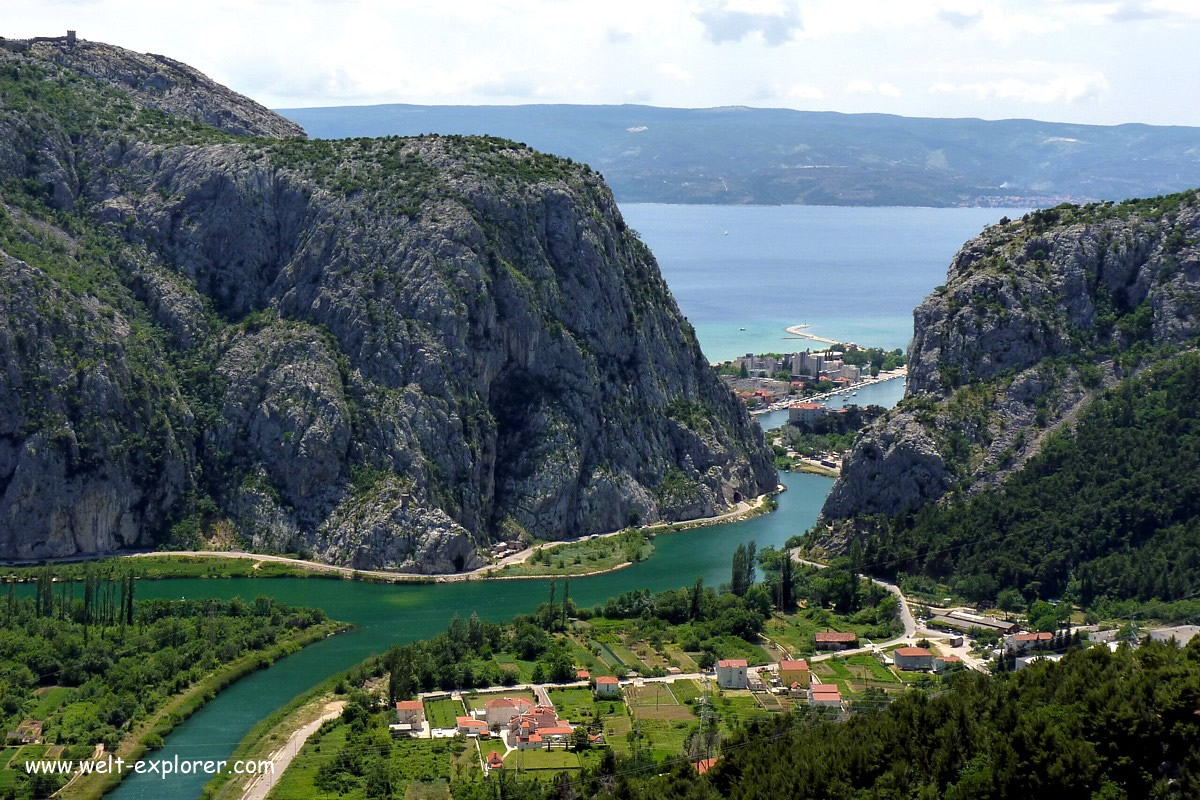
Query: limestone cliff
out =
(1037, 314)
(385, 352)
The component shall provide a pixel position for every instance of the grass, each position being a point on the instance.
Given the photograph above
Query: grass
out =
(665, 738)
(542, 759)
(651, 694)
(573, 704)
(796, 631)
(48, 701)
(580, 558)
(686, 690)
(681, 659)
(443, 713)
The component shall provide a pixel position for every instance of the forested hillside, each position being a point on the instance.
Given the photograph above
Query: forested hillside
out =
(1109, 509)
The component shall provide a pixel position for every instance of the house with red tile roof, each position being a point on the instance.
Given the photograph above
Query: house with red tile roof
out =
(499, 711)
(731, 673)
(943, 663)
(1021, 642)
(607, 686)
(469, 726)
(494, 761)
(582, 675)
(912, 658)
(410, 712)
(824, 694)
(793, 672)
(835, 640)
(705, 764)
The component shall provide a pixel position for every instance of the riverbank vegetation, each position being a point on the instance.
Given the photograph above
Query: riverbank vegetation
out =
(596, 554)
(86, 665)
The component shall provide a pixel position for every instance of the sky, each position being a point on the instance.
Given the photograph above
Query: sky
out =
(1062, 60)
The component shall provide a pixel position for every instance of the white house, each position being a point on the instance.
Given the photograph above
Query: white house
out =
(607, 686)
(411, 713)
(469, 726)
(731, 673)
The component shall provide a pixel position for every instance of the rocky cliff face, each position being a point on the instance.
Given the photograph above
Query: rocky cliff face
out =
(383, 352)
(1035, 316)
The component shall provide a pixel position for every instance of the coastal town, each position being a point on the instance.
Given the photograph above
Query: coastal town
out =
(775, 382)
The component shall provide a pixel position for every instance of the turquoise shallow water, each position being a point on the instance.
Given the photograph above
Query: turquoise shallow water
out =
(851, 273)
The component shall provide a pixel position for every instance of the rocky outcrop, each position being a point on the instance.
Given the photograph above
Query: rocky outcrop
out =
(156, 82)
(382, 352)
(1036, 315)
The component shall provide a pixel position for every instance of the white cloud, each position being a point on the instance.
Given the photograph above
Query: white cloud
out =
(883, 88)
(1065, 88)
(804, 91)
(731, 23)
(918, 57)
(676, 72)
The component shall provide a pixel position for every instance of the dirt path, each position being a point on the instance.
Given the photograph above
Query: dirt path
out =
(261, 786)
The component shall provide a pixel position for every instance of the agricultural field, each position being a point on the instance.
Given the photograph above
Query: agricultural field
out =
(48, 701)
(442, 713)
(686, 690)
(573, 704)
(656, 701)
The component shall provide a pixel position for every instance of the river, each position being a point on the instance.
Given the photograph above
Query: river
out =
(386, 614)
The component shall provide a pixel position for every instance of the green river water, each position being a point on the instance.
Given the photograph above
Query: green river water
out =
(386, 614)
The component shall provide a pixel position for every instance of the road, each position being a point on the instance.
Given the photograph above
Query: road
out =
(740, 509)
(261, 786)
(906, 616)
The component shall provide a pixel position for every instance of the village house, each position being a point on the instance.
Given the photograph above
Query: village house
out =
(731, 673)
(835, 640)
(944, 663)
(582, 675)
(1024, 642)
(531, 742)
(913, 658)
(607, 686)
(494, 761)
(793, 672)
(824, 694)
(469, 726)
(28, 732)
(410, 713)
(500, 711)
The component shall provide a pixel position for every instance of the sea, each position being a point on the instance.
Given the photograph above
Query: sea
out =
(743, 274)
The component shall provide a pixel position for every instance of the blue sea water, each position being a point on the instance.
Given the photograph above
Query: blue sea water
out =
(851, 273)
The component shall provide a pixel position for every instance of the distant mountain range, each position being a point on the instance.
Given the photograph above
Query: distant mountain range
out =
(739, 155)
